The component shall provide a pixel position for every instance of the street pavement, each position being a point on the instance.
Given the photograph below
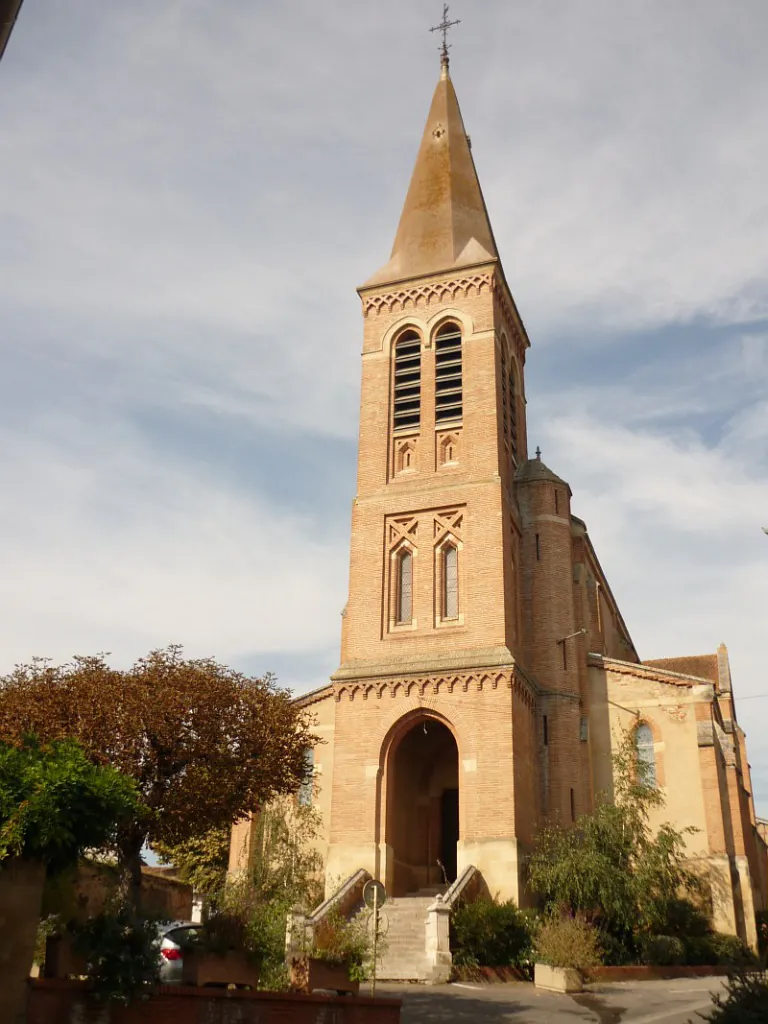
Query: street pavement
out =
(647, 1002)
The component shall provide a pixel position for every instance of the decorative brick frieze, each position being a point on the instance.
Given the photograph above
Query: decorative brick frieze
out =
(423, 295)
(422, 686)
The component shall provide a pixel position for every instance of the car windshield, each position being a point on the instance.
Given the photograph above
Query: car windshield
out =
(184, 937)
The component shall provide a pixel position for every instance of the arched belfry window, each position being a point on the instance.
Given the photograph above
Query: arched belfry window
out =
(404, 587)
(512, 411)
(509, 401)
(646, 755)
(450, 582)
(407, 396)
(448, 393)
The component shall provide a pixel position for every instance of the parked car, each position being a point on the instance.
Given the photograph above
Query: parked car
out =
(176, 938)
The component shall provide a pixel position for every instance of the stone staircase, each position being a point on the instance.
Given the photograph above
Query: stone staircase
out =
(405, 919)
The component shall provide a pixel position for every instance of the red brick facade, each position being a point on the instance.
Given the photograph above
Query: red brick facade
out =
(448, 740)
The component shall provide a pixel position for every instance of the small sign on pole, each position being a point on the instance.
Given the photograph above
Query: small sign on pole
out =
(374, 896)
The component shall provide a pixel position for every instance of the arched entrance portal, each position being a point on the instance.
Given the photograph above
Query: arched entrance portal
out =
(422, 808)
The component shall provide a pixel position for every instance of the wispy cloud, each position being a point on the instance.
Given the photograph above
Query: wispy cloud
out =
(110, 546)
(189, 194)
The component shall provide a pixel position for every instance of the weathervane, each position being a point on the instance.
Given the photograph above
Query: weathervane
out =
(443, 27)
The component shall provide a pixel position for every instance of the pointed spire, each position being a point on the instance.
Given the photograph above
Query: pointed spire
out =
(444, 224)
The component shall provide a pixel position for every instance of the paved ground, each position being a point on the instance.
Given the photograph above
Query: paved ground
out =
(648, 1002)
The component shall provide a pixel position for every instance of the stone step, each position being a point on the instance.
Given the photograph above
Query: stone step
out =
(404, 957)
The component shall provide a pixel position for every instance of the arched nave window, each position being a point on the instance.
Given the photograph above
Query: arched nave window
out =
(646, 754)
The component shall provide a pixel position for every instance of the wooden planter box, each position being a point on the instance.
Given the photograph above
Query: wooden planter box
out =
(557, 979)
(232, 968)
(61, 960)
(310, 974)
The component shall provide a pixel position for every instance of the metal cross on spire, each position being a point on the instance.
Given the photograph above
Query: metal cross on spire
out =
(443, 27)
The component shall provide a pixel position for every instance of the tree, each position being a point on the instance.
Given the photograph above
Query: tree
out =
(286, 865)
(201, 861)
(204, 743)
(54, 804)
(611, 867)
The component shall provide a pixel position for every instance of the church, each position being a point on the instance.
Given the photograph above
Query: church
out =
(487, 675)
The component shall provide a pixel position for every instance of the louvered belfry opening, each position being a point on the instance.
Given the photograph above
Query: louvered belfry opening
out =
(407, 402)
(448, 407)
(513, 413)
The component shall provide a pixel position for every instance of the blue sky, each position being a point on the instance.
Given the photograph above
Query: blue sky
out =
(189, 194)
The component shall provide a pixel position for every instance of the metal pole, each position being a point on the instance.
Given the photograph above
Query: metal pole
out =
(375, 936)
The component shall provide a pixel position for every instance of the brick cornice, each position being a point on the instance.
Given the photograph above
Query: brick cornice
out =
(658, 675)
(322, 693)
(407, 686)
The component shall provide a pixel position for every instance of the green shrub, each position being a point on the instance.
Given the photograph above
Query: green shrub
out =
(122, 954)
(717, 949)
(745, 1000)
(662, 950)
(267, 933)
(700, 951)
(564, 941)
(616, 952)
(487, 933)
(731, 951)
(684, 917)
(339, 941)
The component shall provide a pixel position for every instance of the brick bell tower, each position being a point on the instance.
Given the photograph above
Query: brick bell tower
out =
(437, 747)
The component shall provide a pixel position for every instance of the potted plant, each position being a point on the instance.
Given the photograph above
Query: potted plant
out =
(565, 947)
(338, 958)
(222, 953)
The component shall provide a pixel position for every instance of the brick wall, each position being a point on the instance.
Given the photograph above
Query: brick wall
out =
(65, 1002)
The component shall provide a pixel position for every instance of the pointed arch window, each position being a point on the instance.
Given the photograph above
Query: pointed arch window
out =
(448, 386)
(646, 755)
(407, 393)
(306, 788)
(404, 588)
(450, 582)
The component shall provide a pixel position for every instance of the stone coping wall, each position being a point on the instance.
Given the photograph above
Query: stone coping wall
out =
(66, 1002)
(647, 972)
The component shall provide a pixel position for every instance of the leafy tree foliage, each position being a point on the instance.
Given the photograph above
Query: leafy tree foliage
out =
(611, 866)
(286, 871)
(55, 803)
(286, 864)
(204, 744)
(201, 860)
